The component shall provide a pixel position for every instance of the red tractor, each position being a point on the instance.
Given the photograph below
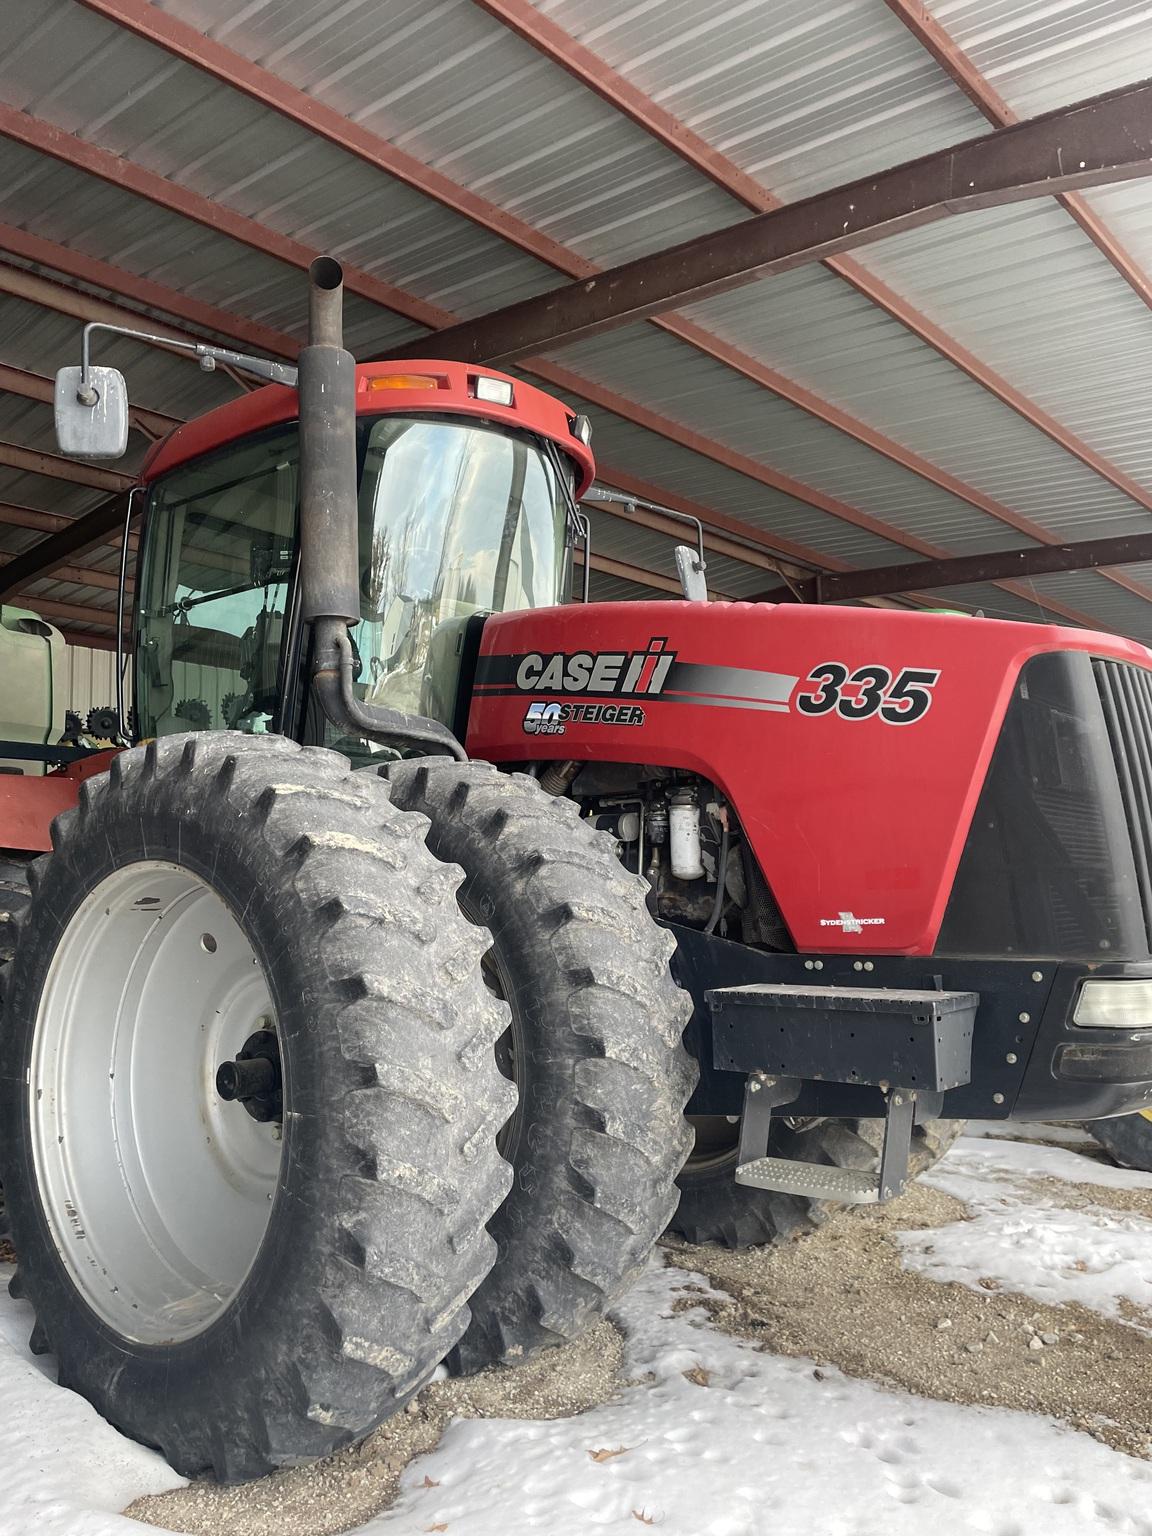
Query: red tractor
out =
(345, 1028)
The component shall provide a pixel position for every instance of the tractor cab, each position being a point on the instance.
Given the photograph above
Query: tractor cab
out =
(467, 489)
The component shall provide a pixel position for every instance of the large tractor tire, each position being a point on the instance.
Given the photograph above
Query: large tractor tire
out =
(240, 1296)
(594, 1047)
(714, 1209)
(15, 894)
(1126, 1138)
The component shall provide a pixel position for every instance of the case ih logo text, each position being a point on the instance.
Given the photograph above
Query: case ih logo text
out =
(627, 672)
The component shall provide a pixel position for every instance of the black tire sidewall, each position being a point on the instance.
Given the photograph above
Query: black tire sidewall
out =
(1127, 1139)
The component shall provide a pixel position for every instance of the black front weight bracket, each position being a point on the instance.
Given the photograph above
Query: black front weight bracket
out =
(904, 1043)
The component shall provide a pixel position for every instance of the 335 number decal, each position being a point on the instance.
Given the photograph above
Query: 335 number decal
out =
(899, 700)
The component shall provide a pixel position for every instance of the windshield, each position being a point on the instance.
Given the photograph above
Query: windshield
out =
(454, 519)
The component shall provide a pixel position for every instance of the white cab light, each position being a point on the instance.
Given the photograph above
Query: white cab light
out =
(495, 391)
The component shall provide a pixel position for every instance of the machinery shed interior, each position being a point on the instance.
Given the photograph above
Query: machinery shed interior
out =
(972, 386)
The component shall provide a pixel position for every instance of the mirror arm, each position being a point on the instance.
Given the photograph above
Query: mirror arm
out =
(629, 504)
(262, 367)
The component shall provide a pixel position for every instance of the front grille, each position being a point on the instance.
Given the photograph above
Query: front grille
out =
(1058, 857)
(1126, 698)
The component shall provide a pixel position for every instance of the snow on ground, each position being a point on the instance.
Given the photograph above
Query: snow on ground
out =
(766, 1446)
(63, 1471)
(1023, 1236)
(715, 1437)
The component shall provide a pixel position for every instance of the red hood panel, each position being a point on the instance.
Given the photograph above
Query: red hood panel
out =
(852, 742)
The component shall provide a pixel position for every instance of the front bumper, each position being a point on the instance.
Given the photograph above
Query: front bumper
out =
(1030, 1061)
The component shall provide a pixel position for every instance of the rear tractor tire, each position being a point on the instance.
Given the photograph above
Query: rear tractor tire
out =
(248, 1285)
(715, 1210)
(594, 1046)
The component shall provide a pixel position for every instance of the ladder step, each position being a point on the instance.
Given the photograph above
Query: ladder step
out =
(820, 1181)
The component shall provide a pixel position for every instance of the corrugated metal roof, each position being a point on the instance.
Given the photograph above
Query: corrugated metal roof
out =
(450, 85)
(803, 97)
(824, 335)
(86, 75)
(660, 372)
(1041, 54)
(1026, 291)
(799, 97)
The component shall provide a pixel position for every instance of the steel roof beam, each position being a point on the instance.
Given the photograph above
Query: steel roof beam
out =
(51, 465)
(640, 574)
(99, 526)
(1093, 143)
(76, 613)
(956, 64)
(958, 570)
(77, 575)
(83, 637)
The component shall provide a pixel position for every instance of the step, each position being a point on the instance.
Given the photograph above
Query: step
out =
(819, 1181)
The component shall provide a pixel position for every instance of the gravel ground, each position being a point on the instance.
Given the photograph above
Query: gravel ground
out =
(839, 1297)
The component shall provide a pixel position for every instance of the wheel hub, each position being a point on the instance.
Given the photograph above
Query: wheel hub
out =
(253, 1077)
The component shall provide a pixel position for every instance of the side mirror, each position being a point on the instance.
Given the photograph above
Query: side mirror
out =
(690, 569)
(92, 414)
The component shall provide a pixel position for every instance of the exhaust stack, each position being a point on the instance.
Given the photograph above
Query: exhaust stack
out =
(329, 553)
(329, 574)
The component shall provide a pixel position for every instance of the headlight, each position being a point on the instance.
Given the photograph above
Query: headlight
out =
(1114, 1005)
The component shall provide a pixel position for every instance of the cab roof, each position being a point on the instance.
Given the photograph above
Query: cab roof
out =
(421, 387)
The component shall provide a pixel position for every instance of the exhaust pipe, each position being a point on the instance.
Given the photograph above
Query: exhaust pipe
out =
(329, 552)
(329, 560)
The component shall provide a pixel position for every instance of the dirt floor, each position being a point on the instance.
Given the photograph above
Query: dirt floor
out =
(839, 1297)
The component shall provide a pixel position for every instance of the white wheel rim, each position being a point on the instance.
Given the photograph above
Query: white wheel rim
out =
(157, 1192)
